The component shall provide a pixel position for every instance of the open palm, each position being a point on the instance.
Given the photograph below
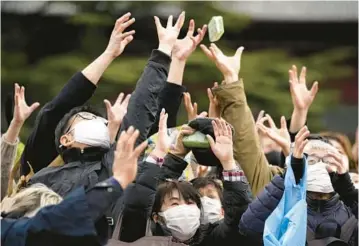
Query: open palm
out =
(302, 98)
(22, 111)
(183, 48)
(222, 147)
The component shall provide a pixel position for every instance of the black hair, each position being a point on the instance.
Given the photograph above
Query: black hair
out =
(202, 182)
(319, 137)
(185, 189)
(63, 124)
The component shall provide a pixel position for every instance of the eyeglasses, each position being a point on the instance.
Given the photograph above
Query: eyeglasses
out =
(315, 159)
(85, 116)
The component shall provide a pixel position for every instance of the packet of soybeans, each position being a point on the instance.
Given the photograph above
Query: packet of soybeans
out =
(215, 28)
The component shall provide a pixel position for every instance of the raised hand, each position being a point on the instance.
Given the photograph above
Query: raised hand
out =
(228, 65)
(191, 108)
(179, 149)
(302, 98)
(280, 136)
(214, 110)
(21, 110)
(120, 39)
(223, 146)
(337, 164)
(167, 37)
(126, 156)
(163, 142)
(118, 110)
(300, 142)
(183, 48)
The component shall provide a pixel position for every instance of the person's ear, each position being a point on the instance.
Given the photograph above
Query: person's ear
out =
(66, 140)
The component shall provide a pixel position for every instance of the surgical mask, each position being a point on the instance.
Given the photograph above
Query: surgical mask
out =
(318, 179)
(212, 210)
(182, 220)
(93, 133)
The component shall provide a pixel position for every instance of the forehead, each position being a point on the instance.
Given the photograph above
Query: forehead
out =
(208, 190)
(336, 145)
(318, 147)
(174, 194)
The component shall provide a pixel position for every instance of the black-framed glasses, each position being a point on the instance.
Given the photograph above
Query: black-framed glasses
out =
(312, 159)
(84, 116)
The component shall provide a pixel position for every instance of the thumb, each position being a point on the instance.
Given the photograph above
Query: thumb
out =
(127, 40)
(34, 106)
(211, 141)
(239, 52)
(283, 123)
(108, 105)
(203, 115)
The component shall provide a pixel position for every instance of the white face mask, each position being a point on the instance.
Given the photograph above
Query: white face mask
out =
(183, 221)
(318, 179)
(212, 210)
(93, 133)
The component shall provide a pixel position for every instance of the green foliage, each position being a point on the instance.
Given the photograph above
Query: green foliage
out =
(265, 72)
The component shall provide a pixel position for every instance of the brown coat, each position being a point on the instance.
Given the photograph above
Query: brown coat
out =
(8, 155)
(247, 149)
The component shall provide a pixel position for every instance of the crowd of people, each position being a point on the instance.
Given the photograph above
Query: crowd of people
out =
(136, 177)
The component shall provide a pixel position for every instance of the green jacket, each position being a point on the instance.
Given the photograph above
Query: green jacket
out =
(247, 149)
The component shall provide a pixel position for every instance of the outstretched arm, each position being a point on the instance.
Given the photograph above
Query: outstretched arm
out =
(9, 140)
(40, 147)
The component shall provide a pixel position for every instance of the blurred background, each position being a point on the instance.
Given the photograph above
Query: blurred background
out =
(44, 43)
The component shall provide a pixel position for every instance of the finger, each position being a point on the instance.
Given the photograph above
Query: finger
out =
(302, 145)
(126, 101)
(108, 105)
(213, 53)
(130, 130)
(229, 130)
(131, 141)
(169, 21)
(157, 23)
(123, 26)
(203, 115)
(291, 76)
(211, 141)
(329, 168)
(224, 127)
(260, 115)
(210, 95)
(301, 132)
(195, 108)
(303, 74)
(283, 123)
(220, 127)
(139, 149)
(271, 122)
(187, 128)
(34, 106)
(216, 49)
(262, 128)
(191, 28)
(22, 93)
(215, 85)
(122, 19)
(121, 141)
(17, 94)
(295, 74)
(262, 120)
(119, 98)
(314, 89)
(302, 137)
(126, 34)
(127, 40)
(207, 52)
(239, 52)
(215, 129)
(180, 20)
(336, 156)
(187, 132)
(200, 35)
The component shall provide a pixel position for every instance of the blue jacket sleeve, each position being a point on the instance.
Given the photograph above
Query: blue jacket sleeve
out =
(40, 148)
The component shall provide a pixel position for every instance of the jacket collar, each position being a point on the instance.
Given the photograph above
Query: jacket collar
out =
(86, 154)
(323, 206)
